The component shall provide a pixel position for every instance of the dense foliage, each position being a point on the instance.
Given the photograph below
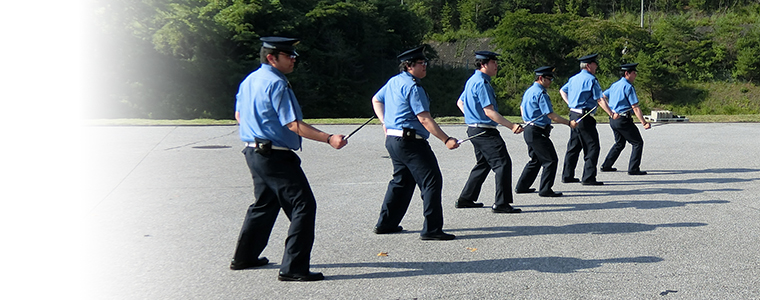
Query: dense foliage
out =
(169, 59)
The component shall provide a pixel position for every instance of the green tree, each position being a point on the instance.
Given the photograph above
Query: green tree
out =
(747, 62)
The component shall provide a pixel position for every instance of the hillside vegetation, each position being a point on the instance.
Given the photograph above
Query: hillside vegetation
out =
(183, 59)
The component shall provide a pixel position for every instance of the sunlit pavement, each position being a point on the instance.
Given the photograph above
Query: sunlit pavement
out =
(164, 205)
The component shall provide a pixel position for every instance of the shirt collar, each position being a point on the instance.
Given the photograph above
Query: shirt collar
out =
(273, 70)
(484, 75)
(541, 86)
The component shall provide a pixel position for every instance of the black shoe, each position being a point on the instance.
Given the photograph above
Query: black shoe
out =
(505, 210)
(592, 183)
(528, 191)
(608, 169)
(311, 276)
(637, 173)
(437, 237)
(381, 230)
(235, 265)
(461, 203)
(551, 194)
(570, 180)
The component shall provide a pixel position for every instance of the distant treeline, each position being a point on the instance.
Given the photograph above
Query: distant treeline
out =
(184, 59)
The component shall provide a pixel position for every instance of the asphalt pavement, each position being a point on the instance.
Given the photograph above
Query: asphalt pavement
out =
(163, 207)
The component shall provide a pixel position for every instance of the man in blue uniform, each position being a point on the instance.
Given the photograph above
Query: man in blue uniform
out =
(624, 103)
(271, 125)
(582, 94)
(537, 112)
(402, 105)
(478, 103)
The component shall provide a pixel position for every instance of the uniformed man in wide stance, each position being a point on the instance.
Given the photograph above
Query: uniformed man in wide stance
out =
(481, 113)
(538, 113)
(624, 104)
(271, 125)
(402, 105)
(582, 94)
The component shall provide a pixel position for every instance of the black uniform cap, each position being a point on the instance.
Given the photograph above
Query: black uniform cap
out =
(283, 44)
(628, 67)
(413, 54)
(486, 55)
(545, 71)
(588, 58)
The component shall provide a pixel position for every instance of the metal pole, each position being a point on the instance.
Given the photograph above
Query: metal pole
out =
(642, 13)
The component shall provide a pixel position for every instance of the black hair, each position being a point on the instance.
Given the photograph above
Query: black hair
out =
(622, 72)
(266, 51)
(481, 62)
(406, 65)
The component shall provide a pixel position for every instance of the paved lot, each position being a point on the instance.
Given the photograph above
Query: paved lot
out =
(164, 205)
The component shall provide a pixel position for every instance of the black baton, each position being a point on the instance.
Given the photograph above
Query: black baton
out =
(357, 129)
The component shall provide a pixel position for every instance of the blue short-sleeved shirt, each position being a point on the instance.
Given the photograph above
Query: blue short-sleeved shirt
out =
(266, 104)
(582, 90)
(404, 99)
(535, 103)
(621, 95)
(478, 93)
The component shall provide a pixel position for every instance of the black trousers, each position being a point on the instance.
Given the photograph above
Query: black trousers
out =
(414, 163)
(490, 155)
(278, 183)
(582, 137)
(625, 131)
(542, 155)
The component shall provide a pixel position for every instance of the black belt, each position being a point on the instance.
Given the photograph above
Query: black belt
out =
(546, 128)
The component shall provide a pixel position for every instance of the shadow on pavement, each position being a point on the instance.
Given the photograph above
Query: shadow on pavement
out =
(540, 264)
(585, 228)
(637, 204)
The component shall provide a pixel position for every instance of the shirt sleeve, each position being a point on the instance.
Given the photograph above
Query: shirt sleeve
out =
(632, 98)
(380, 95)
(596, 90)
(545, 104)
(418, 100)
(484, 98)
(283, 100)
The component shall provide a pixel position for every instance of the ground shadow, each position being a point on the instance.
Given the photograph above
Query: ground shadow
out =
(645, 180)
(640, 204)
(584, 228)
(550, 264)
(714, 171)
(645, 191)
(719, 180)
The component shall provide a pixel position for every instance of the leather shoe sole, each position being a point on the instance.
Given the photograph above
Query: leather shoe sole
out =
(593, 183)
(608, 169)
(467, 204)
(247, 265)
(570, 180)
(380, 230)
(437, 237)
(637, 173)
(528, 191)
(312, 276)
(505, 210)
(552, 194)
